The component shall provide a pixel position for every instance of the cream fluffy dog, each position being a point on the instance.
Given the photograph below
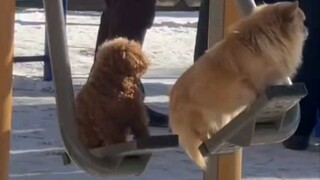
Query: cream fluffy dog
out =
(258, 51)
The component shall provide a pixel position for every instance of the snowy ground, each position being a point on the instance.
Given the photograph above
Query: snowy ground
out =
(36, 142)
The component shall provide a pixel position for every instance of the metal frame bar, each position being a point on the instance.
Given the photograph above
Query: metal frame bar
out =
(22, 59)
(47, 74)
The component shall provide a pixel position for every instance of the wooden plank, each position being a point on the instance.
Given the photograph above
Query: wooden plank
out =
(7, 15)
(223, 166)
(230, 166)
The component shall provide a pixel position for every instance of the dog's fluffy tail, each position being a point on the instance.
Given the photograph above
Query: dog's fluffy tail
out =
(189, 140)
(191, 144)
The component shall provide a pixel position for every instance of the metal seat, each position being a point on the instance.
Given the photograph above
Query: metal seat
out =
(131, 158)
(272, 118)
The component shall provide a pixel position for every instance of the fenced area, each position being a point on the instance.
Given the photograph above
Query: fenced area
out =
(93, 5)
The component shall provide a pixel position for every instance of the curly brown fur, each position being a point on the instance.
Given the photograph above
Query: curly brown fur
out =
(260, 50)
(110, 105)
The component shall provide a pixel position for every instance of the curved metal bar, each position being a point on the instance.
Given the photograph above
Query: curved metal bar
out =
(65, 98)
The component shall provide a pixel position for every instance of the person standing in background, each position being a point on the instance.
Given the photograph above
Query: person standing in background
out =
(130, 19)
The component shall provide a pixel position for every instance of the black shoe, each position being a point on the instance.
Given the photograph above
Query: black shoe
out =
(157, 119)
(297, 143)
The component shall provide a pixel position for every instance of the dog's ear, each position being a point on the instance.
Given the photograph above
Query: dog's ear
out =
(288, 10)
(137, 63)
(137, 59)
(104, 57)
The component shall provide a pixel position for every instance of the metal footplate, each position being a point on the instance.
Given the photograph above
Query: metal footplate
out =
(137, 152)
(271, 118)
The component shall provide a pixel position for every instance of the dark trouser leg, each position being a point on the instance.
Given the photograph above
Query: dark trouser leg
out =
(131, 19)
(202, 30)
(317, 128)
(310, 75)
(125, 18)
(103, 30)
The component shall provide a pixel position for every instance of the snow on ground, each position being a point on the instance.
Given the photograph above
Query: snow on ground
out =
(36, 142)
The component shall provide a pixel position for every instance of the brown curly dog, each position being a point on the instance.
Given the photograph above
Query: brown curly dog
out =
(110, 105)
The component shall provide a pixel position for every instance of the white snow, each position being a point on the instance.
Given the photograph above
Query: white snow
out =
(36, 143)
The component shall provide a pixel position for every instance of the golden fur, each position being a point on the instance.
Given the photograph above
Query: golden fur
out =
(258, 51)
(110, 104)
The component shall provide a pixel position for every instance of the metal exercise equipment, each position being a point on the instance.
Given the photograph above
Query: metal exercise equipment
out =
(273, 118)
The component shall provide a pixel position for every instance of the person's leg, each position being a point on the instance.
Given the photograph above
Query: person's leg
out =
(317, 127)
(125, 18)
(103, 29)
(310, 75)
(131, 19)
(202, 29)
